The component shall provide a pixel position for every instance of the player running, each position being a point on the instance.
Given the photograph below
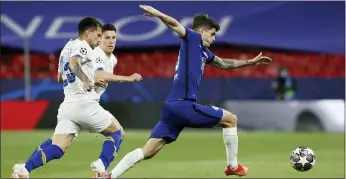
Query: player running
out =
(105, 63)
(181, 108)
(80, 108)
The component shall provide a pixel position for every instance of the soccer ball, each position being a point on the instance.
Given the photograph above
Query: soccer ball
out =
(302, 159)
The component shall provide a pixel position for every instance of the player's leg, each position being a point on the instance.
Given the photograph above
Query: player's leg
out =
(162, 134)
(114, 135)
(105, 123)
(210, 116)
(43, 145)
(148, 151)
(65, 132)
(230, 138)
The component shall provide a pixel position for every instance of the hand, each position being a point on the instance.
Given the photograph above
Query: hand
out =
(260, 60)
(88, 85)
(150, 11)
(100, 83)
(135, 77)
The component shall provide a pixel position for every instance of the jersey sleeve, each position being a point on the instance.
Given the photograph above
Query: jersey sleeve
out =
(191, 35)
(83, 52)
(210, 55)
(100, 65)
(115, 62)
(60, 65)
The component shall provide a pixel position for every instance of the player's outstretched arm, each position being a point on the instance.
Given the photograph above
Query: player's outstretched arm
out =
(232, 63)
(170, 22)
(110, 77)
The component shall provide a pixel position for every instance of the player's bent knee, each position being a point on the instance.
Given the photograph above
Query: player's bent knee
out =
(115, 136)
(228, 120)
(122, 134)
(113, 127)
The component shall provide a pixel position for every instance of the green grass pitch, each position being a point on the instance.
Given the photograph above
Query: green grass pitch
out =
(196, 154)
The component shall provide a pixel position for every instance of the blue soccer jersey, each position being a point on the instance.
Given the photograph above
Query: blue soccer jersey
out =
(190, 67)
(181, 109)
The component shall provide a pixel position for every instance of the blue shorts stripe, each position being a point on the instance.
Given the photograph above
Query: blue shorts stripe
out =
(203, 113)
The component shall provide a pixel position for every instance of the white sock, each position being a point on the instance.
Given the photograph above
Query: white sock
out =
(230, 138)
(127, 162)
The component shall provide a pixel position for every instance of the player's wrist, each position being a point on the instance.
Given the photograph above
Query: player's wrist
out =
(250, 62)
(129, 79)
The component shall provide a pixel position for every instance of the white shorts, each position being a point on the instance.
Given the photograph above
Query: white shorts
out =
(88, 115)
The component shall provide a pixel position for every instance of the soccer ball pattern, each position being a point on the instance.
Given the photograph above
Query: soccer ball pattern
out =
(83, 51)
(99, 60)
(302, 159)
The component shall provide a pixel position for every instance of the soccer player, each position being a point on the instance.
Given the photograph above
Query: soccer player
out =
(105, 63)
(80, 108)
(181, 108)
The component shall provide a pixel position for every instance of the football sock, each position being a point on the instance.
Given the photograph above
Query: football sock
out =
(230, 139)
(43, 145)
(127, 162)
(44, 156)
(110, 148)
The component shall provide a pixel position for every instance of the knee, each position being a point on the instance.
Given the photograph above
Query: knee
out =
(63, 141)
(112, 128)
(122, 131)
(115, 136)
(122, 134)
(229, 120)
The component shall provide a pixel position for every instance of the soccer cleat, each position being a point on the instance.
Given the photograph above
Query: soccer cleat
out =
(99, 170)
(239, 171)
(19, 171)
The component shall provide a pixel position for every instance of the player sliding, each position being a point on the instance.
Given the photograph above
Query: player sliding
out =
(181, 109)
(80, 108)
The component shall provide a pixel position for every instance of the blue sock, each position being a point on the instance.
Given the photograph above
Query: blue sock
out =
(116, 151)
(118, 148)
(43, 145)
(44, 156)
(108, 151)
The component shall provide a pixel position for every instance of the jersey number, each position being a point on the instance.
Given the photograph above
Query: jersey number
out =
(70, 76)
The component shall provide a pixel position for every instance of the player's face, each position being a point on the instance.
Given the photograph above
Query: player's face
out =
(208, 36)
(94, 37)
(108, 41)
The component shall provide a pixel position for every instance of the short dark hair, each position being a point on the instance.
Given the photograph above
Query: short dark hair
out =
(203, 20)
(108, 27)
(88, 23)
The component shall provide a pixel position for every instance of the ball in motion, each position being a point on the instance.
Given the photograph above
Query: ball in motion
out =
(302, 159)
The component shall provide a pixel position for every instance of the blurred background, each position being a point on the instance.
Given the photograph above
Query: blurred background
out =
(303, 90)
(304, 39)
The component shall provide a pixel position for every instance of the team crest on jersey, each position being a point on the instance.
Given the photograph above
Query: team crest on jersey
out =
(99, 60)
(83, 51)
